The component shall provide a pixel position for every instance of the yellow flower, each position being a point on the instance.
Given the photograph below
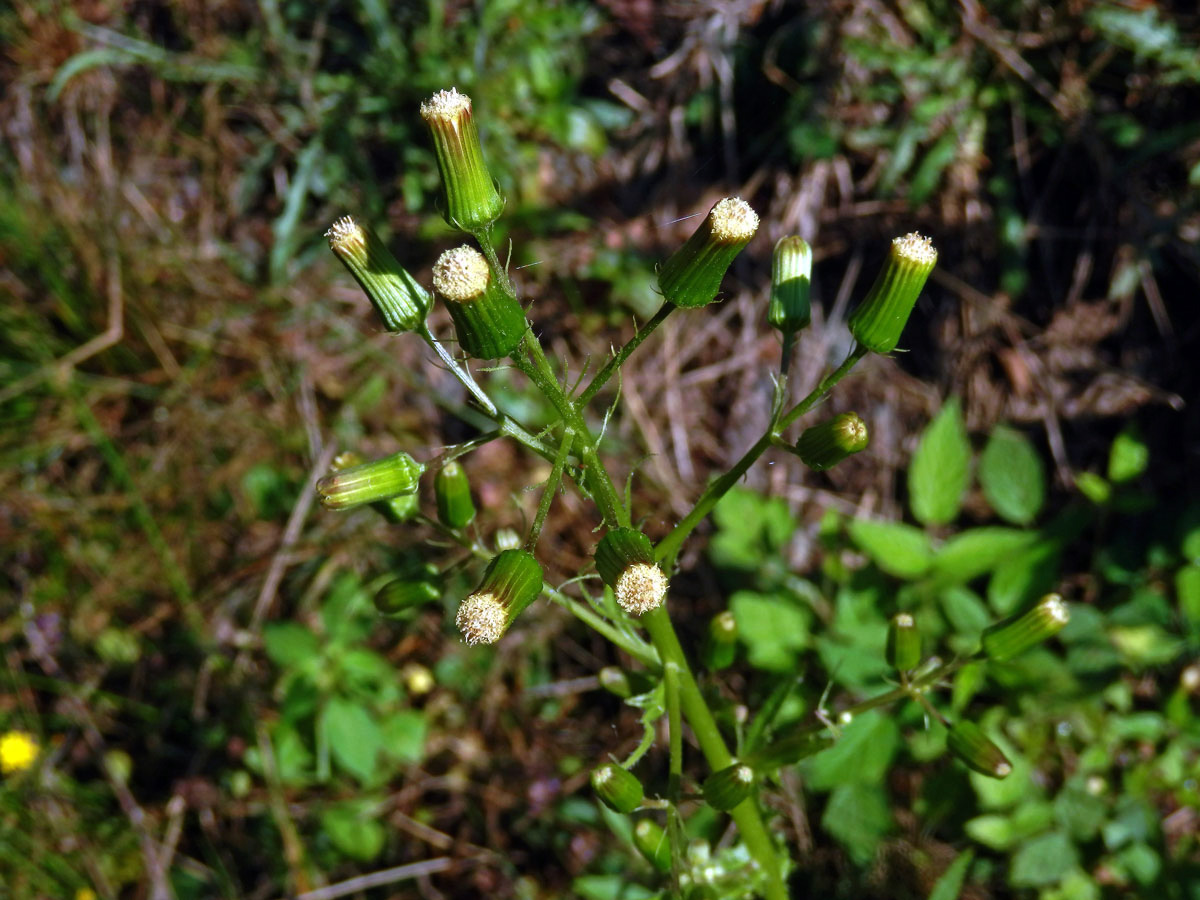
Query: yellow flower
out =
(85, 894)
(18, 750)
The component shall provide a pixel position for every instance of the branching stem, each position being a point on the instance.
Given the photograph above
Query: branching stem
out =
(618, 360)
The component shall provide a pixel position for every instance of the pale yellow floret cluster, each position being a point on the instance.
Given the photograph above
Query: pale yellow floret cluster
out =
(641, 588)
(461, 275)
(904, 620)
(18, 751)
(446, 105)
(915, 248)
(342, 232)
(482, 619)
(744, 774)
(733, 221)
(1055, 607)
(1002, 769)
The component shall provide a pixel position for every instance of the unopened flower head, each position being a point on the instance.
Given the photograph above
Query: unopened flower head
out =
(825, 445)
(18, 751)
(1015, 635)
(879, 320)
(399, 300)
(790, 308)
(482, 618)
(488, 320)
(371, 482)
(692, 276)
(512, 581)
(471, 199)
(625, 561)
(641, 588)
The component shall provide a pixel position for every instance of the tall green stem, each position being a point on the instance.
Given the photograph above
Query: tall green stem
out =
(549, 490)
(535, 365)
(617, 361)
(668, 548)
(746, 815)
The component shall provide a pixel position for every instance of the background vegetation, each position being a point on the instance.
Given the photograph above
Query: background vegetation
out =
(220, 712)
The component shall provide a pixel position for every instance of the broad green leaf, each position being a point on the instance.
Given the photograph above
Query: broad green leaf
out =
(750, 527)
(1023, 577)
(404, 735)
(1043, 860)
(1128, 457)
(352, 829)
(940, 471)
(773, 628)
(965, 612)
(862, 754)
(290, 643)
(1079, 811)
(897, 548)
(1012, 476)
(949, 886)
(354, 737)
(975, 551)
(608, 887)
(858, 816)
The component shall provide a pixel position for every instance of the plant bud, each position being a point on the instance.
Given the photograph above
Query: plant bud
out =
(727, 788)
(791, 280)
(1015, 635)
(510, 583)
(489, 321)
(881, 317)
(720, 645)
(399, 300)
(625, 561)
(827, 444)
(968, 742)
(614, 680)
(618, 788)
(692, 276)
(471, 199)
(398, 597)
(452, 492)
(381, 479)
(903, 643)
(653, 843)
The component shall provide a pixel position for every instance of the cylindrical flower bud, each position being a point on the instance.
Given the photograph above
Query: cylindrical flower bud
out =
(903, 643)
(692, 276)
(510, 583)
(452, 491)
(881, 317)
(791, 281)
(625, 561)
(399, 596)
(788, 750)
(720, 644)
(653, 843)
(381, 479)
(401, 302)
(967, 741)
(1015, 635)
(618, 788)
(825, 445)
(472, 201)
(727, 788)
(489, 321)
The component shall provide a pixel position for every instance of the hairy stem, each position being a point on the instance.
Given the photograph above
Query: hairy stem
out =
(549, 490)
(668, 548)
(618, 360)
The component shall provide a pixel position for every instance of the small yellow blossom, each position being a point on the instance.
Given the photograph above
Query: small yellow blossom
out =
(85, 894)
(18, 750)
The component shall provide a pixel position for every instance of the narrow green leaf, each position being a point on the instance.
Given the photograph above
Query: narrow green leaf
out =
(940, 471)
(949, 886)
(1013, 476)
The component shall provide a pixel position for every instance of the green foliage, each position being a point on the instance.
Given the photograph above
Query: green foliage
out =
(940, 471)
